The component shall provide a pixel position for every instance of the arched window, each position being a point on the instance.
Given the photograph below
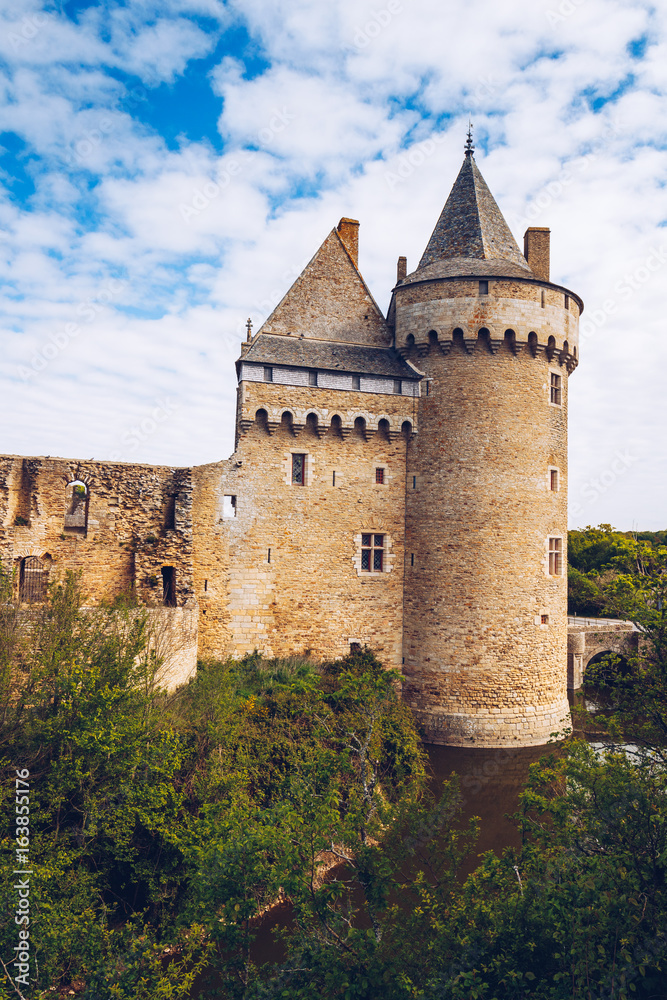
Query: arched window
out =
(32, 580)
(76, 514)
(360, 427)
(336, 425)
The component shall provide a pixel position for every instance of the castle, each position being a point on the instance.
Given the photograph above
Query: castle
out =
(398, 482)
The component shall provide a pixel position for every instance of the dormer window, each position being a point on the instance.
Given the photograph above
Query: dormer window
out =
(484, 287)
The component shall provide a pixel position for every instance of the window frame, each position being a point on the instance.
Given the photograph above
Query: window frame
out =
(294, 456)
(555, 389)
(552, 471)
(374, 550)
(555, 554)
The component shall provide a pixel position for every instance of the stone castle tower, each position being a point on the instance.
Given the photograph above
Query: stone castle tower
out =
(485, 619)
(397, 482)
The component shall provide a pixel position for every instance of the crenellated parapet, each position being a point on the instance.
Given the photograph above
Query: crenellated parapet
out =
(517, 316)
(341, 423)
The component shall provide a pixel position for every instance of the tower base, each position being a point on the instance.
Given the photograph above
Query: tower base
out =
(521, 727)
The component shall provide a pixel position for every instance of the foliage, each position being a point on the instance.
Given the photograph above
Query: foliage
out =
(598, 556)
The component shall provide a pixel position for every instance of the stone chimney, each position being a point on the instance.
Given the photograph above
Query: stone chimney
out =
(348, 230)
(536, 241)
(401, 269)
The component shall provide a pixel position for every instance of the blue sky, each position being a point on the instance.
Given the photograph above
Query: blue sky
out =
(167, 169)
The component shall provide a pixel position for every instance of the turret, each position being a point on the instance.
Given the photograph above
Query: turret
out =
(485, 622)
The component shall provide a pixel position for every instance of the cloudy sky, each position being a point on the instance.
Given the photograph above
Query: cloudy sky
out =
(168, 168)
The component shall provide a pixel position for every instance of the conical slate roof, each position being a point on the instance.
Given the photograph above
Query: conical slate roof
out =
(472, 227)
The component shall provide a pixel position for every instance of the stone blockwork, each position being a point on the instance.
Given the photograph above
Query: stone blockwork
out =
(279, 570)
(133, 521)
(485, 637)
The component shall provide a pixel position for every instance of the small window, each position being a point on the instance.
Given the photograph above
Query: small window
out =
(414, 482)
(555, 389)
(553, 480)
(379, 475)
(356, 382)
(355, 647)
(169, 586)
(555, 556)
(428, 387)
(372, 553)
(268, 556)
(76, 516)
(333, 478)
(544, 619)
(543, 298)
(299, 470)
(398, 386)
(32, 581)
(483, 288)
(567, 301)
(229, 506)
(312, 378)
(412, 559)
(268, 374)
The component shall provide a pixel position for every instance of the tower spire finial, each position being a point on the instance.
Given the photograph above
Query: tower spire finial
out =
(469, 147)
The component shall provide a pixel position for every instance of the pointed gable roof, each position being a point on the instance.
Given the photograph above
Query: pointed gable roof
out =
(330, 301)
(471, 228)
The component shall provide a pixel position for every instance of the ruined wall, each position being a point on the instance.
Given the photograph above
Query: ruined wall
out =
(283, 574)
(126, 524)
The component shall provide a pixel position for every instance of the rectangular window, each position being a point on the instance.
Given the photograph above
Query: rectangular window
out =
(483, 288)
(543, 299)
(169, 586)
(414, 482)
(299, 469)
(428, 388)
(268, 374)
(312, 378)
(412, 559)
(553, 479)
(544, 619)
(333, 478)
(567, 301)
(555, 389)
(398, 387)
(555, 556)
(379, 475)
(372, 553)
(356, 382)
(228, 506)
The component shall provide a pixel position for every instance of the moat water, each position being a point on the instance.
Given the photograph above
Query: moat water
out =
(490, 782)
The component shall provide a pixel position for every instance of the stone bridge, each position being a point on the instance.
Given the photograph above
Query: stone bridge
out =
(588, 638)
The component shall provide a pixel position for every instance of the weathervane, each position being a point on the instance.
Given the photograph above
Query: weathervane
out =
(249, 329)
(470, 149)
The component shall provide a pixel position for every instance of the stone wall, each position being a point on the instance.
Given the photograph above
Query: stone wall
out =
(280, 572)
(485, 635)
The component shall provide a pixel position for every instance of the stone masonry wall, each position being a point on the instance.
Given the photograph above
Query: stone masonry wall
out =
(133, 521)
(485, 636)
(283, 574)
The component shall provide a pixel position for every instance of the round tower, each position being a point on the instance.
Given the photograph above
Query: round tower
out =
(485, 626)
